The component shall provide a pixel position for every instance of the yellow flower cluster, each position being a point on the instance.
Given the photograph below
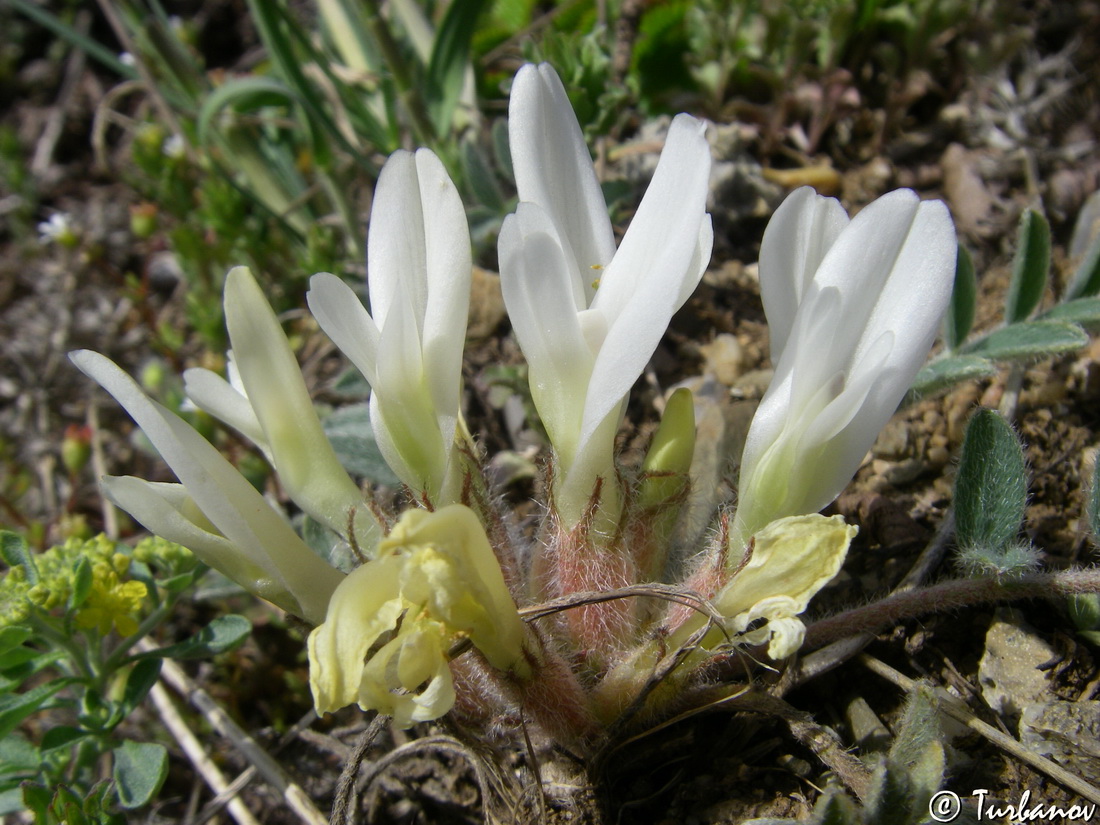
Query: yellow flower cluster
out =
(111, 601)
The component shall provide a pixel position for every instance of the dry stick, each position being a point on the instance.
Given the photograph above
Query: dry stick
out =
(222, 798)
(835, 654)
(435, 743)
(55, 123)
(195, 752)
(345, 787)
(269, 769)
(825, 744)
(159, 102)
(954, 708)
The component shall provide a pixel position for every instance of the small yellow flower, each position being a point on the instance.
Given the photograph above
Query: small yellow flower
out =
(111, 603)
(391, 622)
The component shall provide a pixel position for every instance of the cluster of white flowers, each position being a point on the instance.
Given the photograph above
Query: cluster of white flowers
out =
(852, 305)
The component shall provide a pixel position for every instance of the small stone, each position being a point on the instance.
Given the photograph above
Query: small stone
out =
(486, 304)
(904, 472)
(1009, 673)
(938, 456)
(893, 441)
(724, 358)
(867, 729)
(1067, 732)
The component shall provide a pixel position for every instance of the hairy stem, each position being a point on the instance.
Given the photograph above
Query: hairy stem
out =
(949, 595)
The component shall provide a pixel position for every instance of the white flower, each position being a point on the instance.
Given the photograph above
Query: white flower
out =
(214, 511)
(409, 347)
(174, 147)
(267, 401)
(853, 308)
(588, 317)
(58, 229)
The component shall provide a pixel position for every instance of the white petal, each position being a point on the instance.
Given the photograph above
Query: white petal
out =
(224, 496)
(389, 448)
(640, 289)
(534, 278)
(304, 458)
(396, 251)
(167, 511)
(449, 269)
(659, 248)
(700, 260)
(408, 413)
(799, 234)
(346, 321)
(216, 396)
(553, 168)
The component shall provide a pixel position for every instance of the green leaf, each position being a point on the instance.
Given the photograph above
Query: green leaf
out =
(12, 636)
(1086, 280)
(351, 384)
(94, 49)
(82, 583)
(1030, 267)
(17, 755)
(502, 149)
(14, 550)
(222, 634)
(139, 771)
(138, 684)
(11, 801)
(449, 60)
(62, 736)
(1092, 503)
(1030, 340)
(1083, 311)
(946, 372)
(964, 300)
(243, 93)
(349, 431)
(479, 175)
(1084, 610)
(991, 484)
(36, 799)
(329, 545)
(14, 708)
(20, 656)
(917, 752)
(836, 808)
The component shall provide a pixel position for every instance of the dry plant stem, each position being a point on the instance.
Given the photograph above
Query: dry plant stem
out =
(191, 746)
(828, 748)
(344, 803)
(55, 123)
(445, 744)
(536, 770)
(833, 655)
(954, 708)
(150, 83)
(212, 808)
(950, 595)
(423, 129)
(269, 769)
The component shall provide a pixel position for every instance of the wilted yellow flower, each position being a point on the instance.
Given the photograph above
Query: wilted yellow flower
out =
(792, 558)
(433, 582)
